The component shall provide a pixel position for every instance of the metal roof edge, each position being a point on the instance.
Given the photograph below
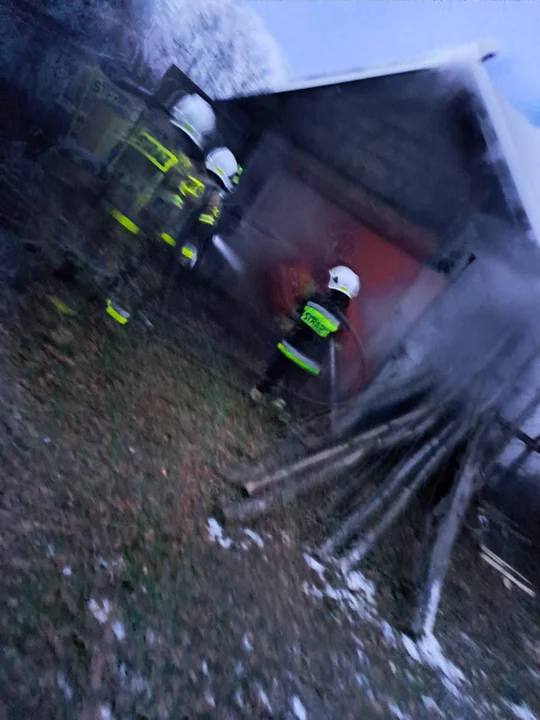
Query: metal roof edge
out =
(470, 53)
(510, 152)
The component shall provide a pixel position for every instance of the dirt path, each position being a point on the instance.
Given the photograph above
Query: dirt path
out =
(125, 601)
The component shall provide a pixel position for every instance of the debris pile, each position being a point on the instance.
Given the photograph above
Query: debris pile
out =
(417, 431)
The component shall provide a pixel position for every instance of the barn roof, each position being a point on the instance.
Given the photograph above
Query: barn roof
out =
(411, 135)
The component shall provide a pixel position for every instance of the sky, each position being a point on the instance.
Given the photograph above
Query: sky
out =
(327, 36)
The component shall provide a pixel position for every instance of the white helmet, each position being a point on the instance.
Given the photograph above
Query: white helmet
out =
(344, 280)
(195, 117)
(222, 163)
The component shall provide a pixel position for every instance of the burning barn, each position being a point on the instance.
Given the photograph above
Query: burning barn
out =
(424, 181)
(387, 171)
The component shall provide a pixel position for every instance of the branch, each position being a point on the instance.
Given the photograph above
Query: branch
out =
(397, 479)
(430, 596)
(447, 441)
(337, 452)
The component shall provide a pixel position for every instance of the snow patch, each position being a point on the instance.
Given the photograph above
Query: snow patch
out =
(115, 564)
(467, 640)
(67, 571)
(395, 710)
(66, 689)
(215, 533)
(358, 581)
(298, 709)
(430, 704)
(314, 565)
(361, 680)
(100, 612)
(410, 647)
(105, 712)
(388, 633)
(140, 685)
(452, 688)
(362, 656)
(520, 711)
(246, 644)
(431, 651)
(118, 630)
(358, 596)
(253, 536)
(263, 697)
(204, 668)
(312, 590)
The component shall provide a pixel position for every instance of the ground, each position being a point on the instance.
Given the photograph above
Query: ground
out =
(124, 598)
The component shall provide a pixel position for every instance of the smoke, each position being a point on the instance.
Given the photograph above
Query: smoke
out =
(477, 338)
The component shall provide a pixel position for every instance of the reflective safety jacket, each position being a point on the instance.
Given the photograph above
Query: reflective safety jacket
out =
(154, 150)
(212, 206)
(100, 114)
(319, 318)
(182, 197)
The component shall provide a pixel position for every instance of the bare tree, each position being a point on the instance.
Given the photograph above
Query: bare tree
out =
(222, 44)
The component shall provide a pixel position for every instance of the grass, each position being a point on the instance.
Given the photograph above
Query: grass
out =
(111, 496)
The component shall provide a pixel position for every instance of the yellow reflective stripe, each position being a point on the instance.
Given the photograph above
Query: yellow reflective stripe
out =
(236, 177)
(187, 252)
(119, 315)
(175, 200)
(168, 239)
(319, 320)
(125, 221)
(154, 151)
(60, 305)
(192, 186)
(210, 217)
(332, 319)
(298, 358)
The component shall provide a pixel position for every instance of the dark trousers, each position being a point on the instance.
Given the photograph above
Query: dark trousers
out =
(281, 368)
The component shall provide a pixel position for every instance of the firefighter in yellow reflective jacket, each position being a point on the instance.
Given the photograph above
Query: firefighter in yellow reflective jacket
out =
(160, 173)
(160, 145)
(223, 175)
(182, 219)
(299, 353)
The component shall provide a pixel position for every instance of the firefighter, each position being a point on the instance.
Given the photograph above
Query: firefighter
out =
(223, 175)
(164, 183)
(298, 354)
(184, 215)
